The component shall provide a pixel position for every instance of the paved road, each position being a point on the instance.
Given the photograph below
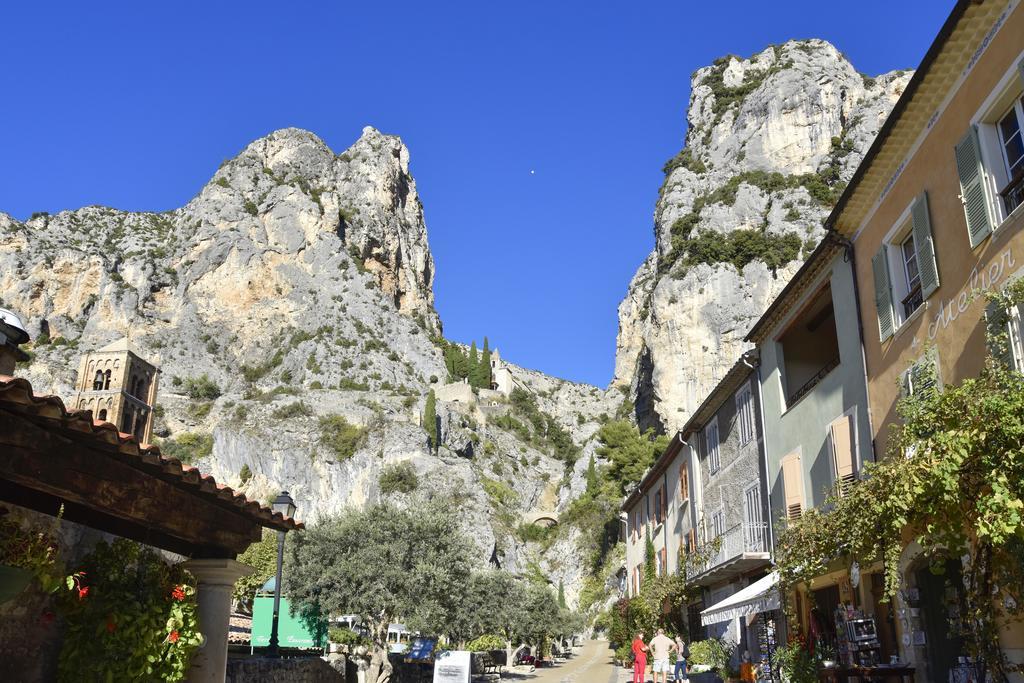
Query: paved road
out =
(592, 663)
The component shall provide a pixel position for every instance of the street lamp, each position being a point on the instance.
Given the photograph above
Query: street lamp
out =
(286, 506)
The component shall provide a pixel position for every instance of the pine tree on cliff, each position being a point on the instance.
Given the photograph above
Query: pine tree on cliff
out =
(430, 419)
(592, 482)
(474, 365)
(485, 366)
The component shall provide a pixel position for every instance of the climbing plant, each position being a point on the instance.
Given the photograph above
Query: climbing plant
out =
(953, 481)
(130, 617)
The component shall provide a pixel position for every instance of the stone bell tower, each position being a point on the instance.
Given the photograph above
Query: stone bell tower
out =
(118, 386)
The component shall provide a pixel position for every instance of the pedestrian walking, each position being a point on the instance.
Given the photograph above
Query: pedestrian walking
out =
(639, 658)
(680, 673)
(661, 648)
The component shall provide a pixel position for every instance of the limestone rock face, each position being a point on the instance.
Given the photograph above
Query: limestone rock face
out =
(771, 141)
(299, 282)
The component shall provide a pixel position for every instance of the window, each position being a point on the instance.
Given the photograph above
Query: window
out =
(658, 515)
(662, 562)
(102, 417)
(905, 270)
(841, 442)
(97, 383)
(717, 524)
(793, 485)
(1012, 147)
(920, 376)
(711, 446)
(810, 346)
(753, 527)
(684, 482)
(745, 414)
(106, 380)
(912, 276)
(1005, 332)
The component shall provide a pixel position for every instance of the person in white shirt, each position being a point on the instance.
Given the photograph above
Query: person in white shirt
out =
(661, 647)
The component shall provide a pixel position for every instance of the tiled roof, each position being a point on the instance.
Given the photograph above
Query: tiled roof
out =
(16, 395)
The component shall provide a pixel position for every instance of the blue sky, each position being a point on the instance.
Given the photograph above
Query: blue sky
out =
(134, 105)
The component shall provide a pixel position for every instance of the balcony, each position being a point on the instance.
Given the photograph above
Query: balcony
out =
(740, 549)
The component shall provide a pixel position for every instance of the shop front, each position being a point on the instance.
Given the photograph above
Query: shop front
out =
(751, 618)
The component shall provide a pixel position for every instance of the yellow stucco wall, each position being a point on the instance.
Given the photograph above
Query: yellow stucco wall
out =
(958, 335)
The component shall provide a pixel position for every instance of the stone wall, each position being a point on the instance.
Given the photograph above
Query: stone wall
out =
(304, 670)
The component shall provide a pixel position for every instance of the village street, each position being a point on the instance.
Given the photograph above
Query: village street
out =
(591, 664)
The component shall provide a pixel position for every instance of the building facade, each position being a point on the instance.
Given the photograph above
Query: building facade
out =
(730, 548)
(934, 214)
(660, 508)
(118, 386)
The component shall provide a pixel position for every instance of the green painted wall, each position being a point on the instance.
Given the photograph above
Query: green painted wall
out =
(804, 426)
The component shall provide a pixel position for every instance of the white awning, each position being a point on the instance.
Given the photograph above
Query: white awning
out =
(760, 596)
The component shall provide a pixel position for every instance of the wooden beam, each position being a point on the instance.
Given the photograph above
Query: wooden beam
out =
(49, 463)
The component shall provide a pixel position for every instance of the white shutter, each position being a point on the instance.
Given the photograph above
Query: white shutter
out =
(927, 269)
(883, 295)
(972, 187)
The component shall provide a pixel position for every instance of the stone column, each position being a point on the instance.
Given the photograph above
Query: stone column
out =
(215, 581)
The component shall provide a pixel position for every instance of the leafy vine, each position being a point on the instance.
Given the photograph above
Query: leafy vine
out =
(953, 481)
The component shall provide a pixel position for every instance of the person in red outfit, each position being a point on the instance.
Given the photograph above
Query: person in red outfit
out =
(639, 659)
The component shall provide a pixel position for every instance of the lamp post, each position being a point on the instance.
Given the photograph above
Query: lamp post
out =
(286, 506)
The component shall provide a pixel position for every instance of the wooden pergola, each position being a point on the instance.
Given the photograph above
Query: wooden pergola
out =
(107, 481)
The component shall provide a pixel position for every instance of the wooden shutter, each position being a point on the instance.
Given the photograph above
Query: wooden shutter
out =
(883, 295)
(972, 187)
(691, 540)
(793, 484)
(842, 452)
(684, 482)
(925, 246)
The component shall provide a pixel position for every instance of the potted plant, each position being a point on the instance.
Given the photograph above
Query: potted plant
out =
(796, 662)
(709, 659)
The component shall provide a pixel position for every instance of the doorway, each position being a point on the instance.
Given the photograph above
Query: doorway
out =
(940, 587)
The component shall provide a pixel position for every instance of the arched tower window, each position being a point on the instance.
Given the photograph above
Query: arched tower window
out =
(106, 380)
(102, 417)
(97, 382)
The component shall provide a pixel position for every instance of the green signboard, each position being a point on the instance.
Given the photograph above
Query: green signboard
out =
(291, 631)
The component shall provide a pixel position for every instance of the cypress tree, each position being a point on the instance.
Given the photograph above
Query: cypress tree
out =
(449, 362)
(461, 363)
(592, 477)
(474, 366)
(430, 419)
(485, 366)
(561, 594)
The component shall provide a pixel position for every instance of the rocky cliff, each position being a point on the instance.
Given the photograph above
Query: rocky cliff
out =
(770, 143)
(289, 306)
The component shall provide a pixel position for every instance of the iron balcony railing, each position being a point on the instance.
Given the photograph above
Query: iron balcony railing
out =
(734, 542)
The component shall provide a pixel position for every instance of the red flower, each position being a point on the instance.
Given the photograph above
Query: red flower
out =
(173, 636)
(111, 625)
(178, 593)
(82, 592)
(47, 617)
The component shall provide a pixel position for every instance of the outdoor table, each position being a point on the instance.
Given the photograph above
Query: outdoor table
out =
(866, 673)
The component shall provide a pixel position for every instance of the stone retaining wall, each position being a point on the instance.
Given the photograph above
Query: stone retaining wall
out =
(304, 670)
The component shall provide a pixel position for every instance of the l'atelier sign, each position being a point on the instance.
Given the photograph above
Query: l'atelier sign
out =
(978, 282)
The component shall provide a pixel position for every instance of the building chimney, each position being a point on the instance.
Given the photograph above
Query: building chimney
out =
(12, 334)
